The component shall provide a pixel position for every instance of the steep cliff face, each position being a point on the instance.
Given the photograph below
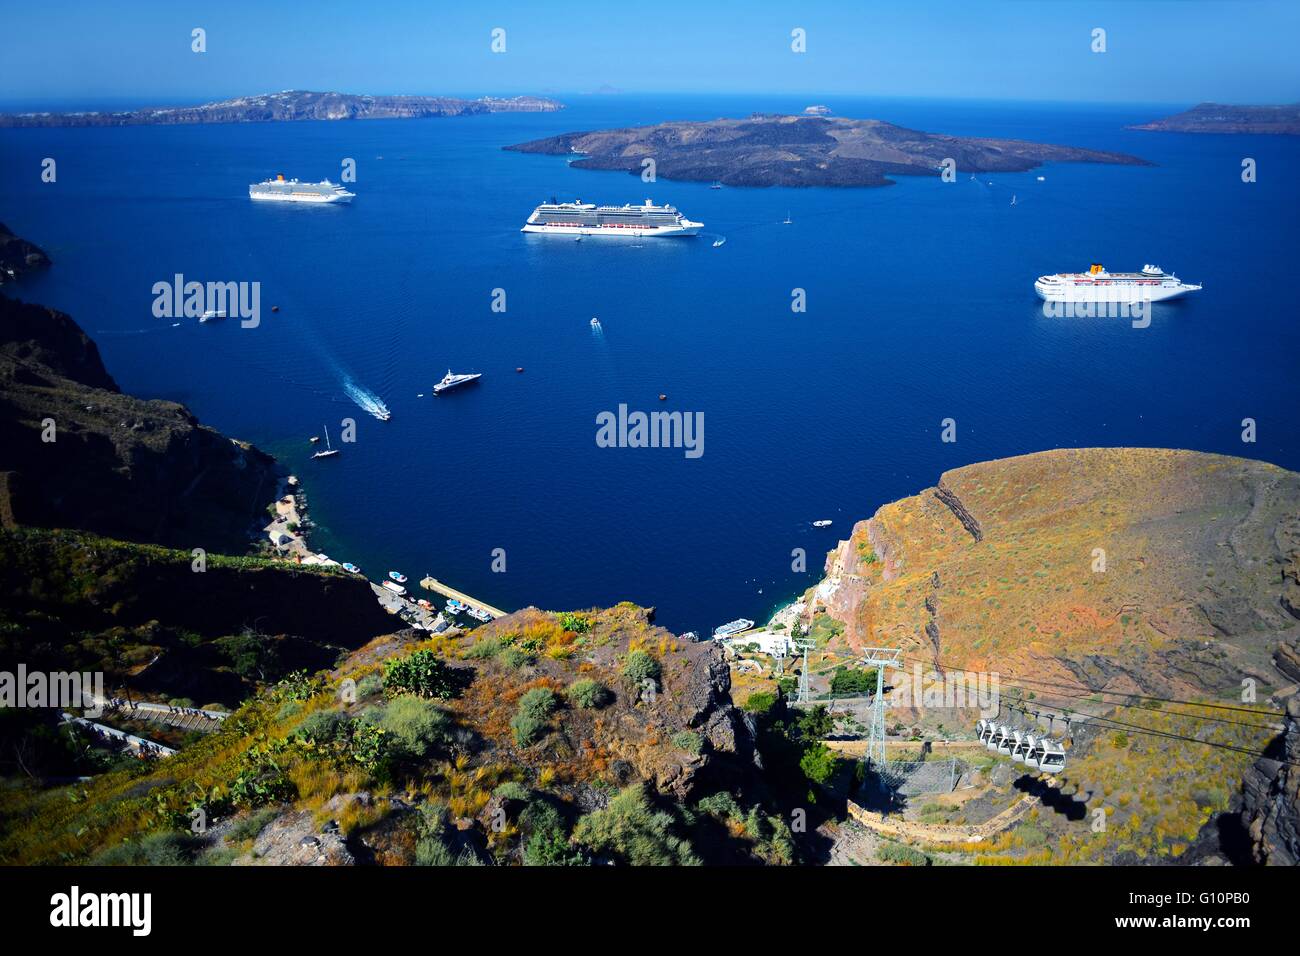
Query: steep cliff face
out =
(1164, 572)
(77, 453)
(1270, 810)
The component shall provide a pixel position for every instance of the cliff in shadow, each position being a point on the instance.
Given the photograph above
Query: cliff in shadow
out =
(75, 452)
(18, 256)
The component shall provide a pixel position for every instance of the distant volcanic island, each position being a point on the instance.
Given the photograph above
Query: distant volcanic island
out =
(777, 150)
(1217, 118)
(291, 105)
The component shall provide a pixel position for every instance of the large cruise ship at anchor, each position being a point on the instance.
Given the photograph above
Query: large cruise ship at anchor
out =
(1152, 284)
(580, 218)
(280, 189)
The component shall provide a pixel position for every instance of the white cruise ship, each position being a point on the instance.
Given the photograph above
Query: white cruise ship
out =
(1152, 284)
(587, 219)
(280, 189)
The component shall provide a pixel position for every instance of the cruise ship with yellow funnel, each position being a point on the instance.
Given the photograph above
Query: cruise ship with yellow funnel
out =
(280, 189)
(1152, 284)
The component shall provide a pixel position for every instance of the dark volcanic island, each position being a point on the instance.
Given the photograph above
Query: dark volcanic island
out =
(766, 150)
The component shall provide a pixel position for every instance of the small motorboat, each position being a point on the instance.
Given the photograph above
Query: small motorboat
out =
(824, 523)
(519, 368)
(454, 606)
(788, 220)
(595, 322)
(315, 439)
(351, 568)
(718, 242)
(716, 185)
(1013, 199)
(212, 316)
(424, 603)
(577, 238)
(397, 576)
(663, 397)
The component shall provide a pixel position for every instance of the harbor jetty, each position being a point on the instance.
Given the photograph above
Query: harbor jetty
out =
(433, 584)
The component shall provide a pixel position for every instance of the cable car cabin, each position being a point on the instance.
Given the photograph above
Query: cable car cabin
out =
(1053, 758)
(1019, 746)
(1033, 751)
(984, 731)
(990, 736)
(1002, 740)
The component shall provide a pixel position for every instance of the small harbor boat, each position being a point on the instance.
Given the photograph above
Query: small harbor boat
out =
(315, 439)
(351, 568)
(329, 450)
(424, 603)
(595, 322)
(788, 220)
(397, 576)
(212, 316)
(719, 241)
(716, 185)
(455, 380)
(395, 588)
(823, 523)
(1013, 199)
(454, 606)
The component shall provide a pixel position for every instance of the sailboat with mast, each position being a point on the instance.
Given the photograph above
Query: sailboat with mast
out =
(329, 450)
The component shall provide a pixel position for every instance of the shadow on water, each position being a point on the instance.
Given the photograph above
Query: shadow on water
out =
(1067, 805)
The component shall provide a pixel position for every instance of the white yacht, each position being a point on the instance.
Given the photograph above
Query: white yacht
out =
(329, 450)
(454, 380)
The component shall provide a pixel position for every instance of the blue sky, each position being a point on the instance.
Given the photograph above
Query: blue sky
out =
(1170, 51)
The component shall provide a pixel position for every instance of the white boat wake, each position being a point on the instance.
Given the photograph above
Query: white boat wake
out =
(366, 399)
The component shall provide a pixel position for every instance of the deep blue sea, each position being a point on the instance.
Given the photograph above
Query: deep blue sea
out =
(920, 307)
